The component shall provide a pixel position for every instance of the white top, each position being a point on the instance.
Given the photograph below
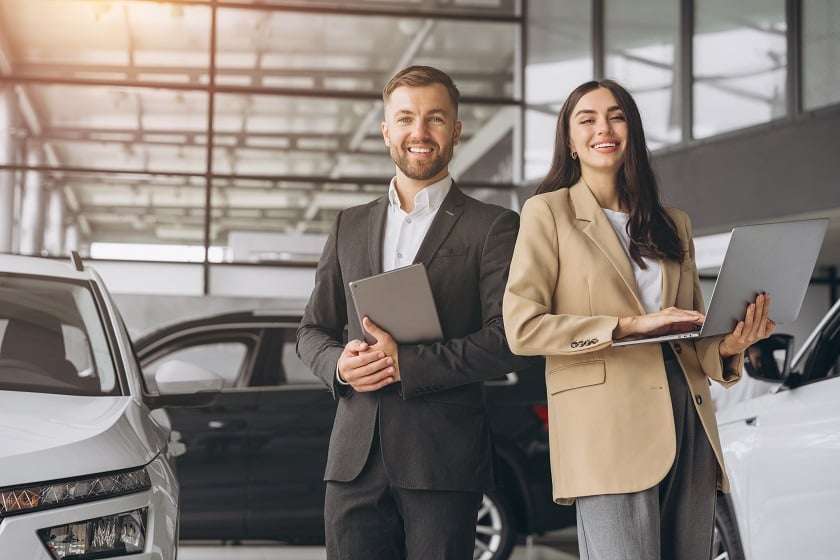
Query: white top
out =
(648, 281)
(405, 231)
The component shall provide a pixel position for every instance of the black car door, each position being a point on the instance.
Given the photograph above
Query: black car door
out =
(213, 472)
(290, 433)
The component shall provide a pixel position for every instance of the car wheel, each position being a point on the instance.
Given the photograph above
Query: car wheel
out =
(726, 543)
(494, 534)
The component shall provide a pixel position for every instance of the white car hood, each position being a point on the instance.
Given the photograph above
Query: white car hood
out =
(46, 437)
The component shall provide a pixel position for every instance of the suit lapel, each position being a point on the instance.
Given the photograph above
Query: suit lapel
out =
(449, 212)
(376, 229)
(599, 229)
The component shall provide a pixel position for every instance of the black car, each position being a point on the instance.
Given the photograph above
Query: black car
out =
(256, 456)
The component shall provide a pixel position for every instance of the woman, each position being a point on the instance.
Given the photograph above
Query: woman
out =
(598, 258)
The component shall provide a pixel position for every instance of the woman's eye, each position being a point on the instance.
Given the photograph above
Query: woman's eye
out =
(617, 118)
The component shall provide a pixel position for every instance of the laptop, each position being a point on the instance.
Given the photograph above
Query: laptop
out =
(776, 258)
(400, 302)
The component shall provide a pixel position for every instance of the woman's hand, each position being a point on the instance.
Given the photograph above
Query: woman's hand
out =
(754, 327)
(667, 321)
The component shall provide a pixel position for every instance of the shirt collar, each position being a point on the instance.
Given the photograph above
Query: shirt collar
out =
(431, 196)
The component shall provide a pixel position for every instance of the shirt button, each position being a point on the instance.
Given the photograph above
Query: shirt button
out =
(399, 255)
(699, 400)
(408, 220)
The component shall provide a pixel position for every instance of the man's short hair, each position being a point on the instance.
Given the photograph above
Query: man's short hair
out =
(419, 76)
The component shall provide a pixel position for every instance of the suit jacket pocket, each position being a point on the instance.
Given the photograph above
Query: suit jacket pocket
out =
(453, 251)
(575, 376)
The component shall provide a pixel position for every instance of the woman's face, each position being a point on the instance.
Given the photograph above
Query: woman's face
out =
(598, 132)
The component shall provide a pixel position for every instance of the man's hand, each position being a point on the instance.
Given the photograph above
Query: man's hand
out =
(385, 344)
(365, 368)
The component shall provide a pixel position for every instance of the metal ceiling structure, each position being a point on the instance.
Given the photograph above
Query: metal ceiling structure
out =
(187, 121)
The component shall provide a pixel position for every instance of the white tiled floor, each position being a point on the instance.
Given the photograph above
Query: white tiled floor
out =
(247, 552)
(539, 549)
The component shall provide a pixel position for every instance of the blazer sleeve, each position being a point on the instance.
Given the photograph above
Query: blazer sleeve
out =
(320, 336)
(531, 327)
(478, 356)
(725, 371)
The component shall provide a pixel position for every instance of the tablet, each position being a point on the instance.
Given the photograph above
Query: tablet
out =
(400, 302)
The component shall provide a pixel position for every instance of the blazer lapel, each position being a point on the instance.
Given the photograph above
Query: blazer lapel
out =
(670, 281)
(376, 229)
(600, 231)
(449, 212)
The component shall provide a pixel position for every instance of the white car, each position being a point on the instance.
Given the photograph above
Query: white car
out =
(86, 465)
(782, 453)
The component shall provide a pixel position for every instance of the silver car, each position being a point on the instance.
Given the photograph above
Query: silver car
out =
(86, 460)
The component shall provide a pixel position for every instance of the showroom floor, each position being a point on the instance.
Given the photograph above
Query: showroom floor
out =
(561, 545)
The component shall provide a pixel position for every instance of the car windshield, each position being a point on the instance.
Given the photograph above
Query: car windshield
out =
(52, 339)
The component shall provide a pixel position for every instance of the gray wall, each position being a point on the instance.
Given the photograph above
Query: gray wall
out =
(765, 172)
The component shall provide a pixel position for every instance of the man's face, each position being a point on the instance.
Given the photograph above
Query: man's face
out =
(421, 128)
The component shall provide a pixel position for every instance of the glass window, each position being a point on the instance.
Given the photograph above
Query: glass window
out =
(131, 41)
(119, 158)
(476, 7)
(559, 58)
(52, 339)
(740, 64)
(820, 53)
(226, 359)
(641, 41)
(299, 50)
(295, 370)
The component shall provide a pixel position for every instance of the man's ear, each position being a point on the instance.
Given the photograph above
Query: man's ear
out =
(457, 136)
(384, 127)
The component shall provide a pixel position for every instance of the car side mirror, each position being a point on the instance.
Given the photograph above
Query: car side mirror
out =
(769, 359)
(184, 384)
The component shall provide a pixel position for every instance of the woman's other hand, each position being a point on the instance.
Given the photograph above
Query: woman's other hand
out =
(755, 326)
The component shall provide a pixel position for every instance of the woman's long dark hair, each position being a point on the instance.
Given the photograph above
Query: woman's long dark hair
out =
(652, 232)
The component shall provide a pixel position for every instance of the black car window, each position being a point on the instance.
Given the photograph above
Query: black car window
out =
(296, 371)
(823, 360)
(224, 358)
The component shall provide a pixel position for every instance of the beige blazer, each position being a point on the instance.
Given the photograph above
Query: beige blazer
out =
(611, 426)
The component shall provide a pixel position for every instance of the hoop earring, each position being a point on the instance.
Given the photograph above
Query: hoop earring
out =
(574, 155)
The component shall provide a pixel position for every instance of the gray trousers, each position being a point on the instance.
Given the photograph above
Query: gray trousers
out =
(674, 520)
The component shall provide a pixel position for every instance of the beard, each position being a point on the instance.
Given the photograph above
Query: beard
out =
(420, 170)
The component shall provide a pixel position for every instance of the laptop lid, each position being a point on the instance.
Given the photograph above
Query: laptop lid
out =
(400, 302)
(776, 258)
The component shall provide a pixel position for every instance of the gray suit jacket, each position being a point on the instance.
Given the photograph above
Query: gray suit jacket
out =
(432, 425)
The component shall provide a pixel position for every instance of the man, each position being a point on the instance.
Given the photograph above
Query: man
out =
(410, 453)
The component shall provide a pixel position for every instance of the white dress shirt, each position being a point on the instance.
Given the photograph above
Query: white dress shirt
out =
(405, 231)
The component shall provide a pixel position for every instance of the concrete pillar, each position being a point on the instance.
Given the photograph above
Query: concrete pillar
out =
(33, 208)
(7, 177)
(54, 231)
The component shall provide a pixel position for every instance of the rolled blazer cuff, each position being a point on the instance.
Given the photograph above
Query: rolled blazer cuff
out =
(725, 371)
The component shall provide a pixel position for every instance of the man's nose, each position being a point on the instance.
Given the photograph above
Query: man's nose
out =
(420, 129)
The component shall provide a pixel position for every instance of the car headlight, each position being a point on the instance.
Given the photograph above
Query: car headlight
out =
(106, 536)
(23, 499)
